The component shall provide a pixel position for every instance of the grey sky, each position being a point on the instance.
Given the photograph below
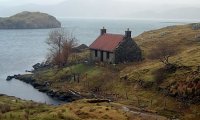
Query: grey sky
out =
(151, 2)
(106, 8)
(22, 2)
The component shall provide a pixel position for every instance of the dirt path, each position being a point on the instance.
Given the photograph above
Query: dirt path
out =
(134, 113)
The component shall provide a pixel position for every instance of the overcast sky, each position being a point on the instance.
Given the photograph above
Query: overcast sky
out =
(150, 2)
(106, 8)
(22, 2)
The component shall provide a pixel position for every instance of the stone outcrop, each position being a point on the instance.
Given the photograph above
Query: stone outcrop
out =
(69, 95)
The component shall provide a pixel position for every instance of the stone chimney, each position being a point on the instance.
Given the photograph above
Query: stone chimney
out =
(128, 33)
(103, 31)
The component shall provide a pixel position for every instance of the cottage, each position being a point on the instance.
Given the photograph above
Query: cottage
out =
(115, 48)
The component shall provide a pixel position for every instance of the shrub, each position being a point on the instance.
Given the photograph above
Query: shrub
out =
(163, 51)
(159, 75)
(162, 73)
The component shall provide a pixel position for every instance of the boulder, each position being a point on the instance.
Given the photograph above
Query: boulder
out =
(37, 66)
(80, 48)
(9, 78)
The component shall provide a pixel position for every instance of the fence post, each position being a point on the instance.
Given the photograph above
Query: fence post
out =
(138, 101)
(151, 102)
(126, 95)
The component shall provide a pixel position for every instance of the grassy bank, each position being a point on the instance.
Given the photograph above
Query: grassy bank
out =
(16, 109)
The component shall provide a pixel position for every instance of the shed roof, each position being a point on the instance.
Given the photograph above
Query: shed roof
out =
(107, 42)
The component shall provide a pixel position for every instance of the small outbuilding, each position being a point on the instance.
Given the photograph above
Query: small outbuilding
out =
(115, 48)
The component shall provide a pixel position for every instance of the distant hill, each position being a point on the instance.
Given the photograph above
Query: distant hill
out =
(29, 20)
(102, 9)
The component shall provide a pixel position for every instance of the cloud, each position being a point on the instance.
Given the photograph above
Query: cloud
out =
(106, 8)
(23, 2)
(149, 2)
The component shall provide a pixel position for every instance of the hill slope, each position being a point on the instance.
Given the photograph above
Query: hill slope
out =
(29, 20)
(183, 37)
(183, 83)
(135, 84)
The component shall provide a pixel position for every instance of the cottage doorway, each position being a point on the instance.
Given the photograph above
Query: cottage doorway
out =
(101, 56)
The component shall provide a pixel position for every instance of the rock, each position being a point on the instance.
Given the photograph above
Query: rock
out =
(29, 20)
(41, 65)
(37, 66)
(68, 96)
(44, 89)
(80, 48)
(9, 78)
(37, 85)
(28, 71)
(98, 101)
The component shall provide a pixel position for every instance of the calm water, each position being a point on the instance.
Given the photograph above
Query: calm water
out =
(20, 49)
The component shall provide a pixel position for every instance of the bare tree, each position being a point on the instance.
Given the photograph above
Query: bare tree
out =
(61, 44)
(163, 51)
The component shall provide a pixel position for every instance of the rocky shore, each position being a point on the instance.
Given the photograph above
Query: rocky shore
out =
(45, 86)
(67, 96)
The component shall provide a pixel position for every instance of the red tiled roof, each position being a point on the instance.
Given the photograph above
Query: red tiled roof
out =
(107, 42)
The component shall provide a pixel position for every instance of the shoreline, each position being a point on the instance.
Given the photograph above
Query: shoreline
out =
(68, 96)
(43, 87)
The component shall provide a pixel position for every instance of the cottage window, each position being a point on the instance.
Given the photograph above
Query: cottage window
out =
(107, 55)
(95, 53)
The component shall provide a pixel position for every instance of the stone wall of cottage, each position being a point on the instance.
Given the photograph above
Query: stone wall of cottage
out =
(128, 51)
(98, 57)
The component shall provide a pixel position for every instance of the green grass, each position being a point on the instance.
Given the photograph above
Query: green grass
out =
(82, 69)
(23, 110)
(58, 73)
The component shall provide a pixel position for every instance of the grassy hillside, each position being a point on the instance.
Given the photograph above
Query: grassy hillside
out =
(183, 83)
(186, 39)
(181, 35)
(136, 85)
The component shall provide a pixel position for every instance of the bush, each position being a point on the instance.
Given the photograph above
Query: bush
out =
(102, 83)
(159, 76)
(147, 84)
(163, 51)
(162, 73)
